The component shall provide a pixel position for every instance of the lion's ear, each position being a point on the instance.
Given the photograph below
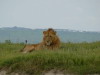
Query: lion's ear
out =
(53, 32)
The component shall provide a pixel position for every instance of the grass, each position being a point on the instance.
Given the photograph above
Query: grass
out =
(76, 58)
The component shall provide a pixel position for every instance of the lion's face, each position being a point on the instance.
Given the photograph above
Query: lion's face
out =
(49, 37)
(48, 40)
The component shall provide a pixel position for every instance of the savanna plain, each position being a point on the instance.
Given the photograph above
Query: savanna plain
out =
(72, 58)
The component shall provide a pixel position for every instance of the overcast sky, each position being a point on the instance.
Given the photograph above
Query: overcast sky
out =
(61, 14)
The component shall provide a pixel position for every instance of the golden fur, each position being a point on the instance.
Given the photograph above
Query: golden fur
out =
(50, 41)
(31, 47)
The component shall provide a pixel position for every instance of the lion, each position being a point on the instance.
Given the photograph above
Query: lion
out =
(50, 41)
(31, 47)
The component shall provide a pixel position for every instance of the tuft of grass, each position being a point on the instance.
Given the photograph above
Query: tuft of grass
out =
(78, 58)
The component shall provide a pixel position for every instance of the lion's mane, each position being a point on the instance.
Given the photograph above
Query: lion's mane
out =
(51, 39)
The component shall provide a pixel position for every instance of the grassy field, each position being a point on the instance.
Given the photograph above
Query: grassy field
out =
(76, 58)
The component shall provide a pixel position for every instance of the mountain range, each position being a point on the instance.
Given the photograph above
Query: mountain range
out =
(20, 34)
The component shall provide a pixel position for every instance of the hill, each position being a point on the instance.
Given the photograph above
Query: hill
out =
(19, 34)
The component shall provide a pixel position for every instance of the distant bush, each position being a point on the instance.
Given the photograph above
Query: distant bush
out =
(8, 41)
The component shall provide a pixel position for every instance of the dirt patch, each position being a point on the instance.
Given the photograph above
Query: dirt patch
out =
(5, 73)
(51, 72)
(57, 72)
(2, 72)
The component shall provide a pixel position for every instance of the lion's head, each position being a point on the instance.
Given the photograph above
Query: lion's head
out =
(50, 38)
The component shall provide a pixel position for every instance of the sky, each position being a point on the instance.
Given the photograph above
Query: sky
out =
(58, 14)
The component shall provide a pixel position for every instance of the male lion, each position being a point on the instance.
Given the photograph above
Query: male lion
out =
(31, 47)
(50, 41)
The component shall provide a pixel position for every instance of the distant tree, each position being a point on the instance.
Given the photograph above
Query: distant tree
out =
(8, 41)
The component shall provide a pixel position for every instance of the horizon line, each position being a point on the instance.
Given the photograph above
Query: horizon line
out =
(49, 27)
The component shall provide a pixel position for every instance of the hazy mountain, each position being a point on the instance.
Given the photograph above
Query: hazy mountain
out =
(19, 34)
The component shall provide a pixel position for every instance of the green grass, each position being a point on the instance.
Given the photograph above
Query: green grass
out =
(76, 58)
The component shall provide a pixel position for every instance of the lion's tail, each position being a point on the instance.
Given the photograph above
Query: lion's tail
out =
(24, 46)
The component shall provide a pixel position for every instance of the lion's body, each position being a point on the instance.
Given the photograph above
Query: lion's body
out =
(31, 47)
(50, 41)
